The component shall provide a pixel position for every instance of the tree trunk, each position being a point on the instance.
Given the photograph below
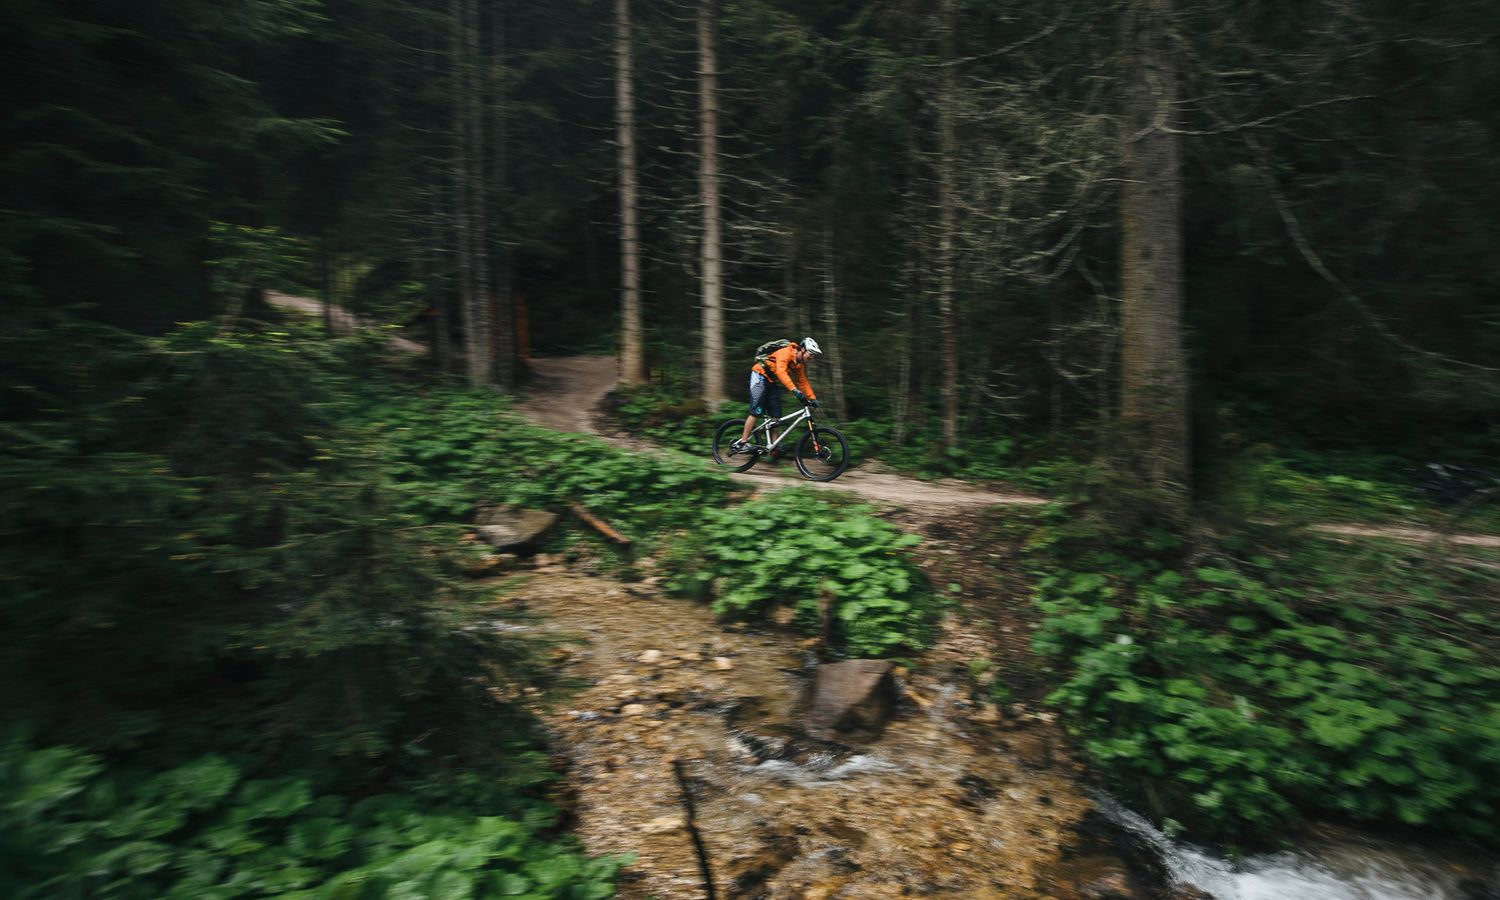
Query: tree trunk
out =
(947, 229)
(503, 317)
(792, 314)
(478, 324)
(831, 324)
(472, 308)
(1153, 388)
(632, 335)
(711, 274)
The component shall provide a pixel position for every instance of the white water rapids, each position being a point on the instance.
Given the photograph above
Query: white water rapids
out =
(1332, 867)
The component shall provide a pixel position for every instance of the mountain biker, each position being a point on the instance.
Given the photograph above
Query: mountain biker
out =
(786, 368)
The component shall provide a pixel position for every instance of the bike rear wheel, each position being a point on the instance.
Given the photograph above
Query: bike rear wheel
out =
(822, 454)
(728, 433)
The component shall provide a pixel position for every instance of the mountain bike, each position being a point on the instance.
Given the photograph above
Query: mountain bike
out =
(821, 452)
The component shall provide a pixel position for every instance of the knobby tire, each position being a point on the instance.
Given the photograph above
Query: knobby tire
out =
(825, 461)
(728, 433)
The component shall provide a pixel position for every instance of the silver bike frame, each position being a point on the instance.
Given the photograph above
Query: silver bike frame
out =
(791, 421)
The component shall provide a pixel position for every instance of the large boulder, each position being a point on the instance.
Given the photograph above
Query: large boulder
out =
(511, 527)
(851, 700)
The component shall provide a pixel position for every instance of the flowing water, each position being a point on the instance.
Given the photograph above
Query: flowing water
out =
(1329, 864)
(957, 798)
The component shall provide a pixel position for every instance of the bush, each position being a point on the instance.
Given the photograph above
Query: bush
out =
(446, 450)
(208, 580)
(70, 828)
(669, 416)
(796, 547)
(1235, 696)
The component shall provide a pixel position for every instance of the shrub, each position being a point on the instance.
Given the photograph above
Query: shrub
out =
(1236, 696)
(448, 449)
(70, 828)
(794, 546)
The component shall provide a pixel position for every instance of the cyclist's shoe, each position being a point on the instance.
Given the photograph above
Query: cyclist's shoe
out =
(736, 447)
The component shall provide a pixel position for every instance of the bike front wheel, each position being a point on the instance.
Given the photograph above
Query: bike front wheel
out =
(822, 454)
(724, 455)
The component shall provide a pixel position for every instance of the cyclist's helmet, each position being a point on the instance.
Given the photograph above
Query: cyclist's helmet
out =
(811, 346)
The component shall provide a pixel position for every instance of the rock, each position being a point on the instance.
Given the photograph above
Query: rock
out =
(1111, 886)
(723, 663)
(661, 825)
(633, 709)
(508, 527)
(651, 656)
(1032, 749)
(986, 714)
(851, 700)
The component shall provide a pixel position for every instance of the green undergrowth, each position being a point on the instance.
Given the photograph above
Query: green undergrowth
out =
(795, 548)
(238, 662)
(920, 454)
(669, 415)
(447, 450)
(1301, 487)
(1231, 691)
(662, 413)
(73, 826)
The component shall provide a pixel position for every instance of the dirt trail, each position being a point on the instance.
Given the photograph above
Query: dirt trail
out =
(569, 391)
(342, 321)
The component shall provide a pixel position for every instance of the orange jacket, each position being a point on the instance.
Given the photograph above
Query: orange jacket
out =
(782, 366)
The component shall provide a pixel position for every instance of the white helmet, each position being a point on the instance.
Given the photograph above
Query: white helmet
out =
(811, 346)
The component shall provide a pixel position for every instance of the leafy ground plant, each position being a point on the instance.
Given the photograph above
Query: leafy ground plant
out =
(449, 449)
(796, 548)
(242, 666)
(72, 828)
(660, 414)
(1238, 693)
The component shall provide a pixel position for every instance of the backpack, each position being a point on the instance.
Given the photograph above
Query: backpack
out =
(765, 350)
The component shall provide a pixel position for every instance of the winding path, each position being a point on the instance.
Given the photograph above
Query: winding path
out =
(569, 390)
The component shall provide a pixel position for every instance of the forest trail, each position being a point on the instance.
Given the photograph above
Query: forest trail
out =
(343, 321)
(569, 390)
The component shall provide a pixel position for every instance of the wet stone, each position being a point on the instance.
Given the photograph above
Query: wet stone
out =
(851, 700)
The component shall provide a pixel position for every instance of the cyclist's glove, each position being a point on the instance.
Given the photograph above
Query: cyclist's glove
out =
(801, 397)
(814, 403)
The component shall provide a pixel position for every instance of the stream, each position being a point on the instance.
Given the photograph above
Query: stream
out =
(957, 798)
(1329, 863)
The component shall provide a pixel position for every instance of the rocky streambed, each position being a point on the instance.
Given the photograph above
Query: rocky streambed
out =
(686, 748)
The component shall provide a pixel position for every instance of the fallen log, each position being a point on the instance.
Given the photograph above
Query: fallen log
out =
(598, 524)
